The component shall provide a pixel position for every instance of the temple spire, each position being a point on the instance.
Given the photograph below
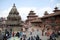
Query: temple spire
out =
(14, 5)
(46, 13)
(14, 10)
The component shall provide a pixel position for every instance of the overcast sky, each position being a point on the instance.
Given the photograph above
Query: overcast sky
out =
(24, 6)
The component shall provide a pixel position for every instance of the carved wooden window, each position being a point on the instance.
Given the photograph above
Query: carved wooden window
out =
(52, 18)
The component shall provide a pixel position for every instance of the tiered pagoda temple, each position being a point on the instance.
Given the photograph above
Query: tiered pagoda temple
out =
(14, 20)
(33, 20)
(31, 16)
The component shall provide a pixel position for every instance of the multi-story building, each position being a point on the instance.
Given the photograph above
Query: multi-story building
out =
(2, 23)
(31, 16)
(52, 20)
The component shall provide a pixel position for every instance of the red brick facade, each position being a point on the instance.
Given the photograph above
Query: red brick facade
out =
(49, 21)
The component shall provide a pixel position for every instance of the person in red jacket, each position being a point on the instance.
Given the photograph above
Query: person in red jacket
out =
(13, 34)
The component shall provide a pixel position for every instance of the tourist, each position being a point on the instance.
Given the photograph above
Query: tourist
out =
(24, 38)
(52, 36)
(17, 34)
(20, 34)
(5, 37)
(29, 38)
(24, 35)
(9, 35)
(37, 38)
(20, 38)
(13, 34)
(1, 36)
(59, 33)
(32, 38)
(42, 32)
(30, 33)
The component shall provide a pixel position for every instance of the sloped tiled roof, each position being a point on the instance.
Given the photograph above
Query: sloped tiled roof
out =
(37, 20)
(56, 12)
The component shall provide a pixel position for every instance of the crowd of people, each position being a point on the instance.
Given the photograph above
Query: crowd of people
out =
(23, 36)
(20, 35)
(54, 35)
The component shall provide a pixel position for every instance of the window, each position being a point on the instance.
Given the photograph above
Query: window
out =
(52, 18)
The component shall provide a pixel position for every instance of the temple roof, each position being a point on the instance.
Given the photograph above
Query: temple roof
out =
(31, 13)
(56, 12)
(14, 9)
(32, 16)
(50, 15)
(14, 13)
(37, 20)
(13, 18)
(56, 9)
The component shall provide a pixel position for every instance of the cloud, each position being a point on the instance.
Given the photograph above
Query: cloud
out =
(39, 11)
(58, 5)
(51, 0)
(4, 13)
(23, 11)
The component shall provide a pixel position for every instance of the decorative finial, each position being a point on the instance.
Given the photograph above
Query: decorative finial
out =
(46, 13)
(14, 5)
(31, 11)
(56, 8)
